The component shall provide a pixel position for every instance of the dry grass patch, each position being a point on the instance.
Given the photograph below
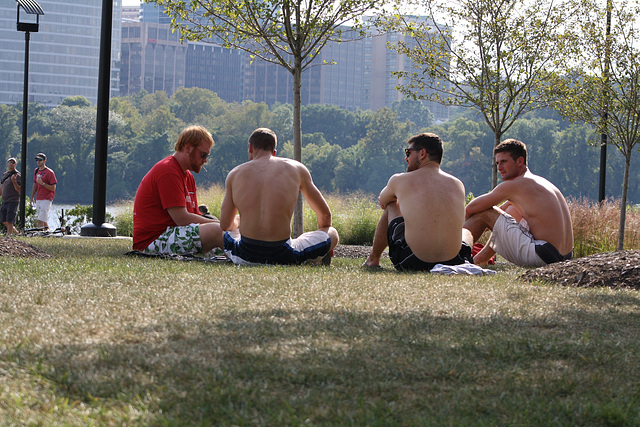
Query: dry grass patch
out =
(93, 336)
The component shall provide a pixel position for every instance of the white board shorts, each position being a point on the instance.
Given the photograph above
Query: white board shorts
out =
(514, 242)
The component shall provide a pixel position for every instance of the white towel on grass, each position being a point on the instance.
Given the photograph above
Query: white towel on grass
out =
(466, 268)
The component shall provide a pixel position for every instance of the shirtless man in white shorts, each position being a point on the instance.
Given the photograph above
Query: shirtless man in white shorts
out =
(264, 190)
(532, 227)
(423, 213)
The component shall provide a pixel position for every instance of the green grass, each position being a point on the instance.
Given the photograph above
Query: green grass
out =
(94, 337)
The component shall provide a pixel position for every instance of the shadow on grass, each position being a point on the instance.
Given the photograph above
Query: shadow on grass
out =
(343, 367)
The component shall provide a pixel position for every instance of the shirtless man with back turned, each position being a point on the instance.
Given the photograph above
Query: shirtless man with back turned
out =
(264, 191)
(423, 213)
(532, 227)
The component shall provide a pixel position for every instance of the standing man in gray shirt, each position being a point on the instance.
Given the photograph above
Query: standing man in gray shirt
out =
(10, 192)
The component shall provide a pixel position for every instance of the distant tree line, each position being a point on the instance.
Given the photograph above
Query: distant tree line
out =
(346, 151)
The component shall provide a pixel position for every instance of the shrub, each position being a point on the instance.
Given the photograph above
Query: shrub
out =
(124, 221)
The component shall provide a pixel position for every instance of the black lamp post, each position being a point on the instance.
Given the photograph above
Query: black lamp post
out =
(31, 7)
(605, 116)
(99, 228)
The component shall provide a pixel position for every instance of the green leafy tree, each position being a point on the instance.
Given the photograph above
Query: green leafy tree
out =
(575, 165)
(76, 101)
(282, 123)
(604, 90)
(130, 115)
(499, 58)
(339, 126)
(414, 111)
(161, 121)
(287, 33)
(383, 149)
(9, 131)
(70, 148)
(467, 150)
(195, 105)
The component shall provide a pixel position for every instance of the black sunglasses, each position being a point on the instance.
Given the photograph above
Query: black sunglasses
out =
(408, 151)
(203, 155)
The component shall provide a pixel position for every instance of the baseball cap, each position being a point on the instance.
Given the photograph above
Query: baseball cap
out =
(41, 156)
(12, 159)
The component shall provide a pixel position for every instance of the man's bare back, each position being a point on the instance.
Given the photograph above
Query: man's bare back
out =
(432, 204)
(265, 191)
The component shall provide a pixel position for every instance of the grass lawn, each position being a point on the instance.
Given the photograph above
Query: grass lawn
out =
(91, 336)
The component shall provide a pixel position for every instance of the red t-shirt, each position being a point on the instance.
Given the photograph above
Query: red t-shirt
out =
(48, 177)
(164, 186)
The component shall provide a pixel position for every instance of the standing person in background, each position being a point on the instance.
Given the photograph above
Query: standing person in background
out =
(44, 189)
(10, 192)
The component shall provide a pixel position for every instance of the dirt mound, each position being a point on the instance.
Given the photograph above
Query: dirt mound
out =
(13, 247)
(620, 269)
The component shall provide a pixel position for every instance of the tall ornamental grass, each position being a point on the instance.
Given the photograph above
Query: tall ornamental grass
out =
(595, 226)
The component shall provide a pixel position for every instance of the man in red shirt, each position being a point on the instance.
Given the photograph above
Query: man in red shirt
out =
(44, 189)
(166, 219)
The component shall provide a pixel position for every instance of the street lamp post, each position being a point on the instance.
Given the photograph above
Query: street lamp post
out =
(99, 228)
(31, 7)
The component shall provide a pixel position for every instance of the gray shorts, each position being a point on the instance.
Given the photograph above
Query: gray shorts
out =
(8, 211)
(179, 240)
(515, 243)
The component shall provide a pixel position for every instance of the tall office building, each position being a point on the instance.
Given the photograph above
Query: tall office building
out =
(345, 81)
(360, 75)
(64, 54)
(150, 12)
(152, 58)
(271, 83)
(211, 66)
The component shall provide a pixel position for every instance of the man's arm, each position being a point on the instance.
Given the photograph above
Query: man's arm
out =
(315, 199)
(388, 193)
(181, 216)
(50, 187)
(228, 210)
(488, 200)
(14, 180)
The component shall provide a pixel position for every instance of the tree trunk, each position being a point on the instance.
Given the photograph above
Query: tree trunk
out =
(623, 202)
(298, 221)
(494, 166)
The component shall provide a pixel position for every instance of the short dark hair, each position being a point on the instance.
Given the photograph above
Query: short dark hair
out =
(263, 139)
(430, 142)
(513, 147)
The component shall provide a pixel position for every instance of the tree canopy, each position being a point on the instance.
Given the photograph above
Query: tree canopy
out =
(499, 58)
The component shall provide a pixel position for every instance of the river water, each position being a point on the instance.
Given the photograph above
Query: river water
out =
(56, 211)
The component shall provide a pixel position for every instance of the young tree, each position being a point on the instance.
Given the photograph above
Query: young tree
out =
(289, 33)
(497, 57)
(604, 89)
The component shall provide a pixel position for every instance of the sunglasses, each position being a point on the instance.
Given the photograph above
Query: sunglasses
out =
(203, 155)
(407, 151)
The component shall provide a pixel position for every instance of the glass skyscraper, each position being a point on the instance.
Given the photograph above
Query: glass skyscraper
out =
(64, 53)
